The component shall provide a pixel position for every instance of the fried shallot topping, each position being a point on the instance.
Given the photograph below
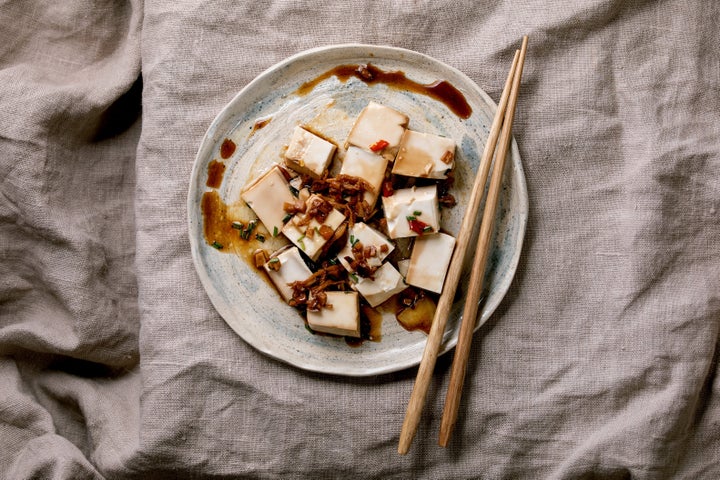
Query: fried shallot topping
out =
(347, 194)
(310, 293)
(319, 209)
(294, 207)
(359, 260)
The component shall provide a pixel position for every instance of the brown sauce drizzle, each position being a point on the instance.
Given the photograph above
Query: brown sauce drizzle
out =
(227, 148)
(216, 170)
(259, 125)
(442, 90)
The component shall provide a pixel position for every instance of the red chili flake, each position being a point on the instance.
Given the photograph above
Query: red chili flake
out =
(418, 226)
(227, 148)
(387, 188)
(379, 145)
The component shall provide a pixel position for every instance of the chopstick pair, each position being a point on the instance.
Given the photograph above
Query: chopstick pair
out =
(500, 132)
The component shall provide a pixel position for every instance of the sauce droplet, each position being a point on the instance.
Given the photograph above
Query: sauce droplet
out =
(259, 125)
(216, 170)
(227, 148)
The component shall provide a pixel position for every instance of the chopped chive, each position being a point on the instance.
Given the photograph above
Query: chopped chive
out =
(246, 230)
(275, 231)
(354, 278)
(217, 245)
(294, 191)
(333, 261)
(260, 237)
(274, 260)
(307, 327)
(286, 218)
(237, 225)
(417, 213)
(300, 242)
(410, 218)
(352, 239)
(427, 229)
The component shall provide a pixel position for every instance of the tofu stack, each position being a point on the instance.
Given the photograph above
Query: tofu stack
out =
(339, 259)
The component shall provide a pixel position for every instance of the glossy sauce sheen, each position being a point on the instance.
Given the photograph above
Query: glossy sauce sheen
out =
(442, 90)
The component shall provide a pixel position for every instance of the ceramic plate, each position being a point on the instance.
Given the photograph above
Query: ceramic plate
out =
(259, 120)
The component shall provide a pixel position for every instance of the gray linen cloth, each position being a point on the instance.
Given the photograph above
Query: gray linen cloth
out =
(600, 363)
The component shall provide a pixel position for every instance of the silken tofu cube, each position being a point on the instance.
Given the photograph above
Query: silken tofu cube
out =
(429, 261)
(385, 283)
(403, 266)
(266, 196)
(378, 128)
(285, 268)
(341, 315)
(368, 237)
(310, 236)
(424, 155)
(412, 211)
(308, 153)
(368, 166)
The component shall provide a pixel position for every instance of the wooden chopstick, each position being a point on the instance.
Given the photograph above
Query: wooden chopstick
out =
(472, 298)
(432, 347)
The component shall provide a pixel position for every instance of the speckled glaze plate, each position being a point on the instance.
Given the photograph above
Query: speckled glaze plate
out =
(244, 299)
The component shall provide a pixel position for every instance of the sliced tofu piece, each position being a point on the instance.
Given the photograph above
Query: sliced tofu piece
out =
(369, 237)
(424, 155)
(340, 317)
(403, 266)
(308, 153)
(368, 166)
(430, 260)
(266, 196)
(378, 125)
(308, 236)
(412, 211)
(285, 268)
(387, 282)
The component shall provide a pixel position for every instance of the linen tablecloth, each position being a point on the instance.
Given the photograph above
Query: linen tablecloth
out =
(601, 361)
